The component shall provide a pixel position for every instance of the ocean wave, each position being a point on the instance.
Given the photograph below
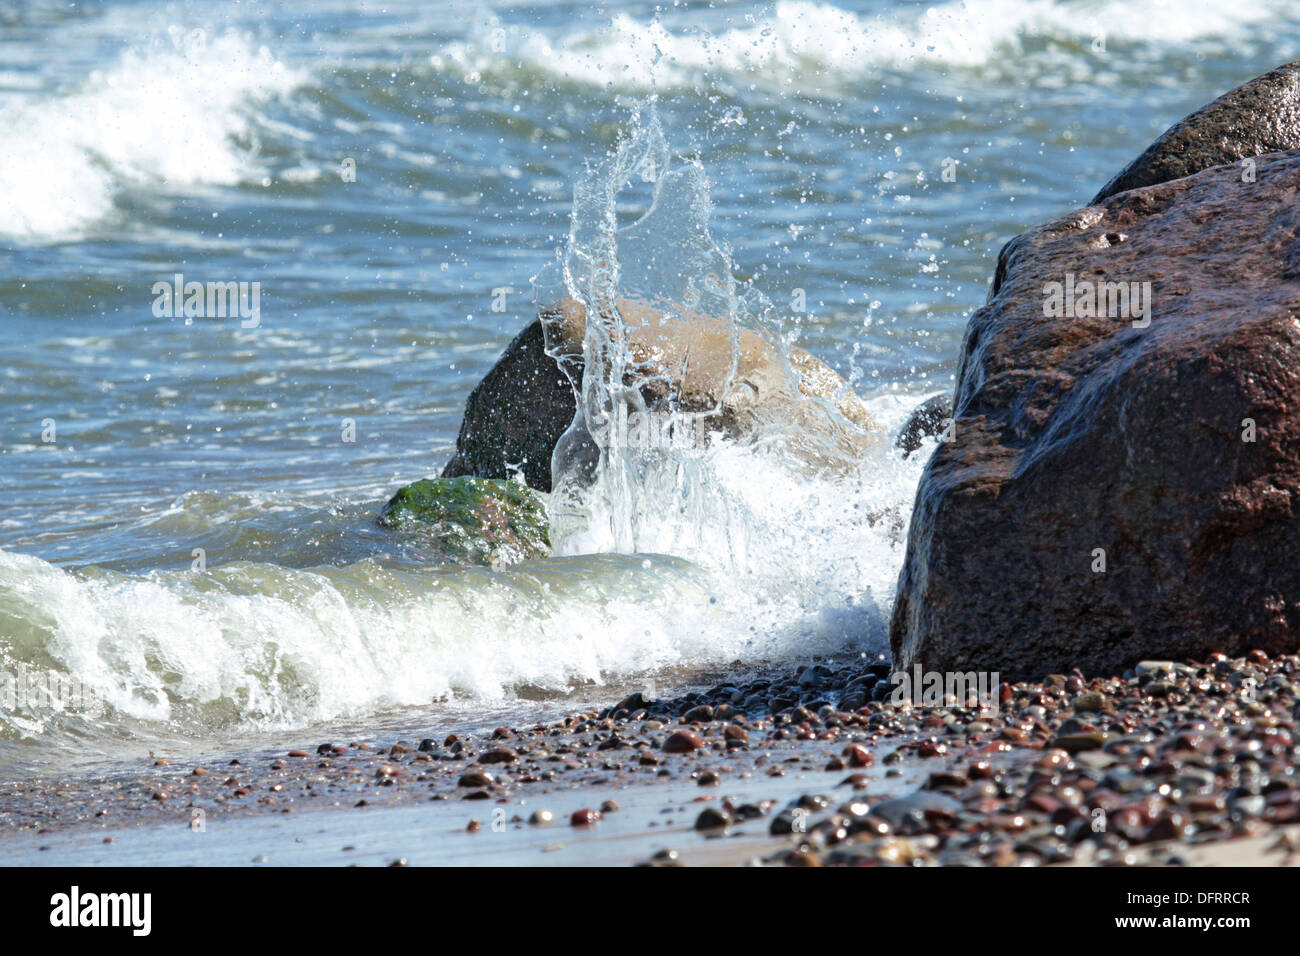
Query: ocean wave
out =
(257, 645)
(171, 113)
(254, 644)
(803, 45)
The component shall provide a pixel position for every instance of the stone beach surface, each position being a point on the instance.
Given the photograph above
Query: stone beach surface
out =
(816, 766)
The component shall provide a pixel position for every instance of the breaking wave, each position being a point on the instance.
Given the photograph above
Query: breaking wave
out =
(172, 113)
(806, 46)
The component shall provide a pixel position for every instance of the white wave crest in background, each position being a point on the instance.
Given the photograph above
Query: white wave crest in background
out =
(802, 44)
(170, 114)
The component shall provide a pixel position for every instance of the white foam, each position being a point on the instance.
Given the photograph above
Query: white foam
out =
(801, 519)
(804, 45)
(169, 115)
(261, 645)
(791, 570)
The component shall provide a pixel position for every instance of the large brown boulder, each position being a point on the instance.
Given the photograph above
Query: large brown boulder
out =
(515, 416)
(1262, 116)
(1115, 490)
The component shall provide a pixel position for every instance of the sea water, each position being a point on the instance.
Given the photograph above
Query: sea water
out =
(187, 550)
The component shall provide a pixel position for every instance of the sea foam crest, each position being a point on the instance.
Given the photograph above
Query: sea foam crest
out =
(172, 113)
(806, 45)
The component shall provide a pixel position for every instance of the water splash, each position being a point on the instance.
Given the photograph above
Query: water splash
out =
(613, 284)
(695, 435)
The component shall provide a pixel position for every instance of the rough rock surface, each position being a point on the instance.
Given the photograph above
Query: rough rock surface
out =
(515, 416)
(927, 420)
(470, 520)
(1171, 451)
(1262, 116)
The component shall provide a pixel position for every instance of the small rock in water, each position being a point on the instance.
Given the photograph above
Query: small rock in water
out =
(1090, 702)
(711, 818)
(683, 741)
(858, 756)
(1076, 743)
(732, 732)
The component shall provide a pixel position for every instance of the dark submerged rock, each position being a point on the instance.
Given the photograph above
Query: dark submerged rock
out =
(523, 407)
(927, 420)
(515, 415)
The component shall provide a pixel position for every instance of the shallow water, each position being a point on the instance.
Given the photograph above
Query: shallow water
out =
(139, 140)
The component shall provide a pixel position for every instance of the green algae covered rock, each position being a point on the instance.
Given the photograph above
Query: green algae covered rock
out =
(468, 520)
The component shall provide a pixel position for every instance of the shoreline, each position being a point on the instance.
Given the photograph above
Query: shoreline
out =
(1181, 766)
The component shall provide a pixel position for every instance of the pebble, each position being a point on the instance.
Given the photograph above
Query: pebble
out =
(711, 818)
(858, 756)
(732, 732)
(683, 741)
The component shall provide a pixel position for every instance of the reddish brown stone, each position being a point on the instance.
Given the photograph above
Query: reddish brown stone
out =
(732, 732)
(1086, 433)
(682, 742)
(858, 756)
(1262, 116)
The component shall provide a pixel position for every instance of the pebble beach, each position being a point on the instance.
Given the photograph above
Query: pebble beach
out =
(1159, 767)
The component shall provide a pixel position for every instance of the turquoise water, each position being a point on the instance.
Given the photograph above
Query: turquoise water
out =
(383, 172)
